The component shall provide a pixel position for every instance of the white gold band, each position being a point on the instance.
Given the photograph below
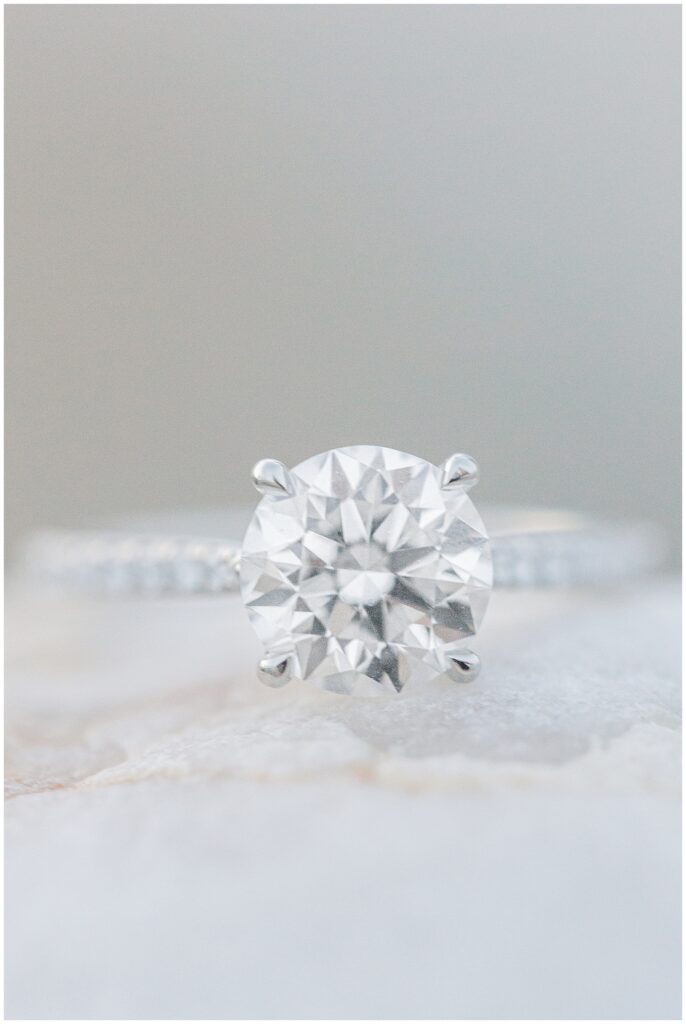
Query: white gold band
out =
(530, 548)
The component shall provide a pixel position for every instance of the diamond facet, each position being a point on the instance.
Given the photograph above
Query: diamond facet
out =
(371, 573)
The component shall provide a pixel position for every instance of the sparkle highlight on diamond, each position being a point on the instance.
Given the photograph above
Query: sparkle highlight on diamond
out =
(367, 573)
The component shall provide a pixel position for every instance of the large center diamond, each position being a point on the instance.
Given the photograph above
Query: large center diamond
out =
(369, 572)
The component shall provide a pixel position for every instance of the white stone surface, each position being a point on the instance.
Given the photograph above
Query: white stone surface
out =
(182, 843)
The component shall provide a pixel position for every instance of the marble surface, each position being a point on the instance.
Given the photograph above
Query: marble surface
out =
(183, 843)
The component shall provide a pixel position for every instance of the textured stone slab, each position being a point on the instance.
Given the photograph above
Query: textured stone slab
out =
(182, 842)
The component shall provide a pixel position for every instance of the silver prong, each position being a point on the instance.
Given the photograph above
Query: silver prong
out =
(275, 669)
(459, 471)
(271, 477)
(464, 666)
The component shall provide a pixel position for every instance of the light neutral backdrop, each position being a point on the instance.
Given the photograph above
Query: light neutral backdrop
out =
(245, 231)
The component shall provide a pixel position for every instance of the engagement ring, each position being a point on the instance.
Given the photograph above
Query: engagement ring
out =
(363, 569)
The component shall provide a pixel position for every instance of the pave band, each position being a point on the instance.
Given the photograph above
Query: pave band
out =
(530, 548)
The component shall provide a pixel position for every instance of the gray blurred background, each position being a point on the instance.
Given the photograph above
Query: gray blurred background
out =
(235, 231)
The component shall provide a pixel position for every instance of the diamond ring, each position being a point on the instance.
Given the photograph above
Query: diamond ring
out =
(363, 569)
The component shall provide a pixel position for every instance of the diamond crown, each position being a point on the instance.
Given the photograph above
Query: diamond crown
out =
(367, 568)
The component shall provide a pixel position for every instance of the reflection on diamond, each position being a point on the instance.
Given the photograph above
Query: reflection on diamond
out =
(368, 571)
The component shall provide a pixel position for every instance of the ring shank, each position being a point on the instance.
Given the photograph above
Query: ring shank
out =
(531, 548)
(574, 555)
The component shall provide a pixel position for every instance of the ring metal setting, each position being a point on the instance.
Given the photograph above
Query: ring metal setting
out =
(363, 570)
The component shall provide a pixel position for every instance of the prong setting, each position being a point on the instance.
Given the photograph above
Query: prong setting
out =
(322, 581)
(275, 669)
(464, 666)
(459, 471)
(271, 477)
